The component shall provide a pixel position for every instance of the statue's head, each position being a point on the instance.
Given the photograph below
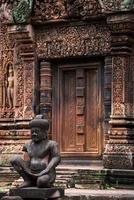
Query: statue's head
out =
(39, 128)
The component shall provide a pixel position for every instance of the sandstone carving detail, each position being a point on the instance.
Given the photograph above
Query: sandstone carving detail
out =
(21, 11)
(73, 41)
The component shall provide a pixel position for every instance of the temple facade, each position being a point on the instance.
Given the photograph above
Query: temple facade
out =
(72, 61)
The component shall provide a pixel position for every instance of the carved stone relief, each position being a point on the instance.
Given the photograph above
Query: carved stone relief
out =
(6, 74)
(21, 11)
(73, 41)
(118, 106)
(47, 10)
(114, 5)
(16, 75)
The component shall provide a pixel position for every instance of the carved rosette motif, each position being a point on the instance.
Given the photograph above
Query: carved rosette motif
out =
(67, 41)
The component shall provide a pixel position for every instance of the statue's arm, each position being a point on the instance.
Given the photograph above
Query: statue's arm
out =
(55, 159)
(26, 158)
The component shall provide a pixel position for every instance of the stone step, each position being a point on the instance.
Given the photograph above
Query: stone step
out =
(79, 178)
(85, 194)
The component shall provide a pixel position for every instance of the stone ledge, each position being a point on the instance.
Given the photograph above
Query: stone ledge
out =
(37, 193)
(83, 194)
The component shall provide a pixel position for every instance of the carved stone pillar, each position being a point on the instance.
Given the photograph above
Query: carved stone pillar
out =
(119, 151)
(46, 90)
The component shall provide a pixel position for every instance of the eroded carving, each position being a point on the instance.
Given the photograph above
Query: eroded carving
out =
(127, 4)
(22, 11)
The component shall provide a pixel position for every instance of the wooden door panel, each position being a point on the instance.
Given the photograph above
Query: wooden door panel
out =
(78, 109)
(91, 110)
(68, 111)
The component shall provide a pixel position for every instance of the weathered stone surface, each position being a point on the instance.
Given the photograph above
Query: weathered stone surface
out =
(11, 198)
(75, 194)
(37, 193)
(2, 194)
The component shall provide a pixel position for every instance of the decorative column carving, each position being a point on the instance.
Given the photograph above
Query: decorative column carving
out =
(107, 95)
(119, 151)
(46, 90)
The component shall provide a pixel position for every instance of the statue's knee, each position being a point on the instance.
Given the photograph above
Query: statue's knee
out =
(15, 160)
(43, 181)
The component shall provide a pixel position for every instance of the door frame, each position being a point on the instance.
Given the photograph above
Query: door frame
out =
(56, 104)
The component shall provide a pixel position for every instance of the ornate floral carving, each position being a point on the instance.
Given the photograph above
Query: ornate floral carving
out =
(28, 90)
(47, 10)
(73, 41)
(119, 156)
(111, 5)
(118, 103)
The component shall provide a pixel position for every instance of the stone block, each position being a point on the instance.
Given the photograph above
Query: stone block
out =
(37, 193)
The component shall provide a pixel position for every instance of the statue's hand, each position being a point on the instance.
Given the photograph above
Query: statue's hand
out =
(18, 168)
(43, 172)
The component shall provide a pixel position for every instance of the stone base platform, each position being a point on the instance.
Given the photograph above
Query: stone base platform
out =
(72, 194)
(85, 194)
(37, 193)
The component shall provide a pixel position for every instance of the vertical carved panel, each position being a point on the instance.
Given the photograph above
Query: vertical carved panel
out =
(19, 92)
(121, 86)
(6, 73)
(107, 94)
(80, 110)
(118, 86)
(28, 89)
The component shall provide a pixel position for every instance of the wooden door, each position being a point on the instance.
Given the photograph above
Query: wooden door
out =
(77, 109)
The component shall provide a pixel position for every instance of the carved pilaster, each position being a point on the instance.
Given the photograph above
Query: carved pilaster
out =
(107, 95)
(24, 61)
(46, 90)
(119, 151)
